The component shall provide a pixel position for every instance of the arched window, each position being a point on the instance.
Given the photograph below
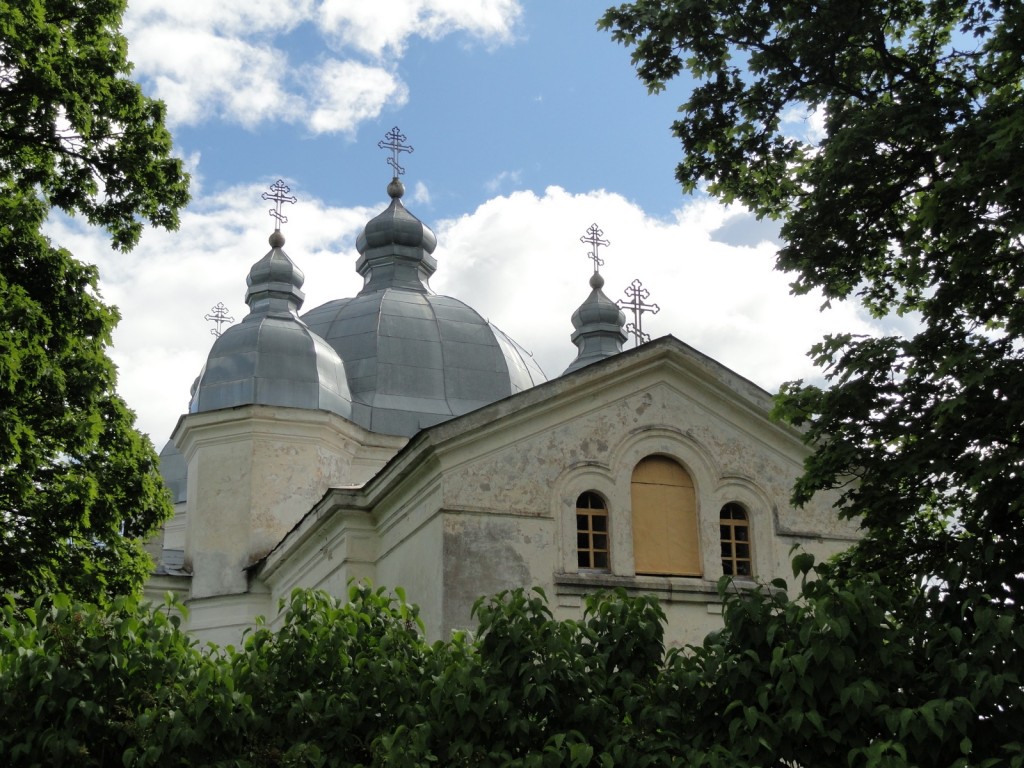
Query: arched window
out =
(592, 532)
(735, 534)
(664, 519)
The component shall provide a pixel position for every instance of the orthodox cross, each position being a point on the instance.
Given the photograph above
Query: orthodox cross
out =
(393, 140)
(639, 337)
(219, 315)
(593, 237)
(279, 194)
(638, 305)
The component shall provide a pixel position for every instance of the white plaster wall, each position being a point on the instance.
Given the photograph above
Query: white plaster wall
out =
(253, 473)
(485, 554)
(224, 619)
(510, 500)
(412, 554)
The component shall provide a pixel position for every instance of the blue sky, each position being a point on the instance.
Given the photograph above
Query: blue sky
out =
(528, 126)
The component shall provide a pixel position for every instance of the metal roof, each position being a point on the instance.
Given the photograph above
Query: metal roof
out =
(272, 357)
(416, 359)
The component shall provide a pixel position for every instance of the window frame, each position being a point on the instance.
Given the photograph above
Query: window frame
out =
(731, 540)
(587, 535)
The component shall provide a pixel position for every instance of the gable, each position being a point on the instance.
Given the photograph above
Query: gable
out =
(488, 501)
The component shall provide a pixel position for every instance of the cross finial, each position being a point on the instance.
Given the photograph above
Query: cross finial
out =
(638, 305)
(219, 315)
(393, 140)
(593, 236)
(279, 194)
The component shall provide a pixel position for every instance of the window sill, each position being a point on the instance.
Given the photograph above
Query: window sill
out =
(668, 589)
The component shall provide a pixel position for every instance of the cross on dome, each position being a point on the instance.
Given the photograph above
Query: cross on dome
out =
(393, 140)
(219, 315)
(279, 194)
(593, 236)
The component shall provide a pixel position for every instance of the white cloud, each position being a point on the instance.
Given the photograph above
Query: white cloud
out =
(236, 17)
(520, 259)
(227, 60)
(805, 124)
(345, 93)
(384, 26)
(503, 179)
(200, 74)
(420, 194)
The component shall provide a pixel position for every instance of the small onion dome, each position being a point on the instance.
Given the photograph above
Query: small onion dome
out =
(599, 327)
(395, 248)
(272, 357)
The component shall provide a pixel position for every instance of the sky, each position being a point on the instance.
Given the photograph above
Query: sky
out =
(528, 125)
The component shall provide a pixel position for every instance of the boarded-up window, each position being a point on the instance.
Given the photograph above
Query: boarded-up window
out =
(664, 519)
(592, 531)
(735, 534)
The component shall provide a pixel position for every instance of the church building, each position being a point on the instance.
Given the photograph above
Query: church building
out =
(398, 437)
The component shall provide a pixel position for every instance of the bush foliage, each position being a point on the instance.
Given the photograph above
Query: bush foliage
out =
(843, 674)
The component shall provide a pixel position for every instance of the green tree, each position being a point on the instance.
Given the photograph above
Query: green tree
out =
(912, 203)
(79, 486)
(906, 650)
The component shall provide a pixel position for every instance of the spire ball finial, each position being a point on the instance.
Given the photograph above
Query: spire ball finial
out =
(276, 239)
(394, 141)
(596, 281)
(279, 194)
(396, 188)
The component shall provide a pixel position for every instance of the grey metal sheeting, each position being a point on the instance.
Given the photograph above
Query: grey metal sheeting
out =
(415, 359)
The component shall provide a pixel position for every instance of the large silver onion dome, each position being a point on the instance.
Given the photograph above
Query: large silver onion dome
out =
(414, 358)
(272, 357)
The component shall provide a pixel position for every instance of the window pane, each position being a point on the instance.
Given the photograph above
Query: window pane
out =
(591, 531)
(734, 533)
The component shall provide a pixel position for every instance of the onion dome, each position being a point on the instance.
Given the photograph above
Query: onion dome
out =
(413, 358)
(395, 248)
(272, 357)
(599, 327)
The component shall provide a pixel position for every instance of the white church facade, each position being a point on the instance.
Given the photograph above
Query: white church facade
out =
(398, 437)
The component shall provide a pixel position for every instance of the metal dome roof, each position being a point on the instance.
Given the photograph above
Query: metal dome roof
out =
(272, 357)
(414, 358)
(598, 323)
